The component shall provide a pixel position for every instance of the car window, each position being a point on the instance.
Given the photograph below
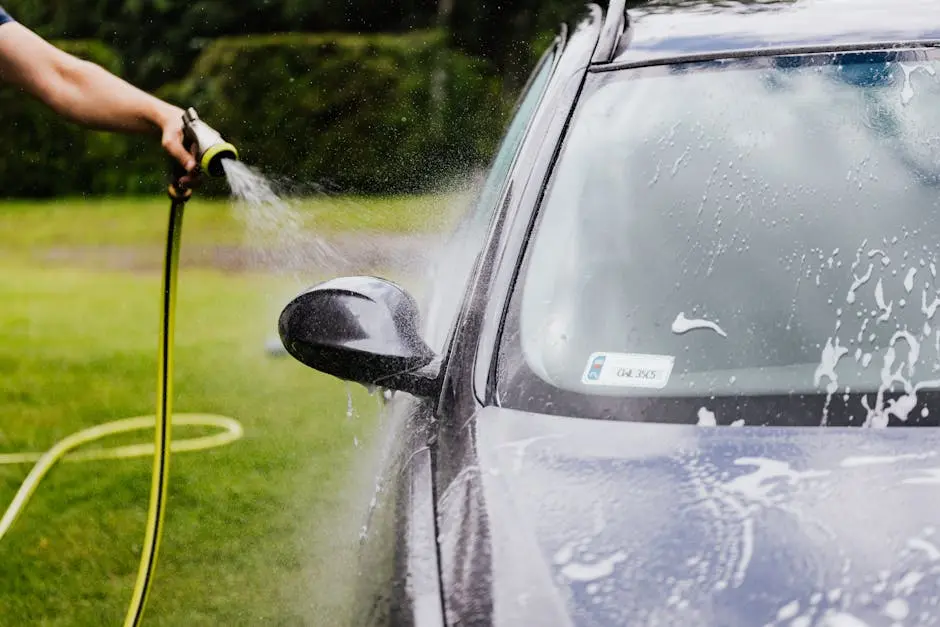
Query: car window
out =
(461, 251)
(764, 228)
(499, 169)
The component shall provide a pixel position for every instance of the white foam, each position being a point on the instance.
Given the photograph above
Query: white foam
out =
(857, 283)
(931, 309)
(876, 460)
(747, 551)
(788, 611)
(897, 609)
(594, 571)
(932, 477)
(879, 414)
(683, 325)
(564, 554)
(902, 406)
(918, 544)
(908, 583)
(907, 92)
(828, 361)
(909, 280)
(756, 486)
(880, 301)
(706, 418)
(842, 619)
(885, 260)
(861, 331)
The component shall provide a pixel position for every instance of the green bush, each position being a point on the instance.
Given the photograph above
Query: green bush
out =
(164, 37)
(370, 113)
(46, 156)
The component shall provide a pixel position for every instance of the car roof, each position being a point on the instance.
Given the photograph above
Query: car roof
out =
(665, 29)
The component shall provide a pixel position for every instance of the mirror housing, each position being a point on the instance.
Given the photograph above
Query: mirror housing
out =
(362, 329)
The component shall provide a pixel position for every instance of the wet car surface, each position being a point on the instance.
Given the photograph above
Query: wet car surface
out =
(651, 375)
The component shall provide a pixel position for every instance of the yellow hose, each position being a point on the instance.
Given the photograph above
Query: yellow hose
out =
(161, 459)
(43, 462)
(160, 449)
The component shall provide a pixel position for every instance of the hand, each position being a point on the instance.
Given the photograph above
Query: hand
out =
(171, 127)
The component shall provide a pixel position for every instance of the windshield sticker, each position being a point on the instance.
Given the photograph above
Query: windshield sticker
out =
(628, 370)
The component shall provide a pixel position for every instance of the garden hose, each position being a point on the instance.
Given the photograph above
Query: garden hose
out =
(210, 150)
(64, 450)
(161, 451)
(61, 451)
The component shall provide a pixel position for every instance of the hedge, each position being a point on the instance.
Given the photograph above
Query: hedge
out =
(161, 39)
(43, 155)
(370, 113)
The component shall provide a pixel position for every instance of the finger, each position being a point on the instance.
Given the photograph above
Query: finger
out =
(176, 150)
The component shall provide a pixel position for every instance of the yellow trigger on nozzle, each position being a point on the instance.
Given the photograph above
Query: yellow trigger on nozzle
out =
(210, 148)
(209, 162)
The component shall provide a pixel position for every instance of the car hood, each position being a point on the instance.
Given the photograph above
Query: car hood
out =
(612, 523)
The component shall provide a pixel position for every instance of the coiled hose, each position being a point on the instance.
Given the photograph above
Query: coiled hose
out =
(160, 449)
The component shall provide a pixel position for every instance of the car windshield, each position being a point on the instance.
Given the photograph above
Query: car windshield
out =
(726, 233)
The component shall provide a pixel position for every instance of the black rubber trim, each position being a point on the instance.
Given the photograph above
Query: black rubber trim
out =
(749, 53)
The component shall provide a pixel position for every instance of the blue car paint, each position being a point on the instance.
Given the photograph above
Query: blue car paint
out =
(712, 526)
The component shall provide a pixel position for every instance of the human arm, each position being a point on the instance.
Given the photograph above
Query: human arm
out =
(87, 93)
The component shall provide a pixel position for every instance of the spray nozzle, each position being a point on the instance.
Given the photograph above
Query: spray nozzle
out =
(211, 149)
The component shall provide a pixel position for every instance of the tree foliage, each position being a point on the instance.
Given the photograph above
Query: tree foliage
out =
(314, 89)
(160, 39)
(364, 113)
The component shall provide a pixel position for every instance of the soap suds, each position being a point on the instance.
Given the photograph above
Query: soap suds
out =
(788, 611)
(683, 325)
(594, 571)
(857, 283)
(706, 418)
(909, 280)
(928, 548)
(897, 609)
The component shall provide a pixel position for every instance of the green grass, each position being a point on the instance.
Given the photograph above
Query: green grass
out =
(259, 532)
(142, 221)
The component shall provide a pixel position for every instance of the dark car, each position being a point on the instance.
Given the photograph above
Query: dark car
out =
(701, 279)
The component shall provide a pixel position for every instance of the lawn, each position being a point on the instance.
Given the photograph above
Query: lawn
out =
(25, 225)
(260, 532)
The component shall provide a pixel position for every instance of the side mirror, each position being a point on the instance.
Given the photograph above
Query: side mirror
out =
(361, 329)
